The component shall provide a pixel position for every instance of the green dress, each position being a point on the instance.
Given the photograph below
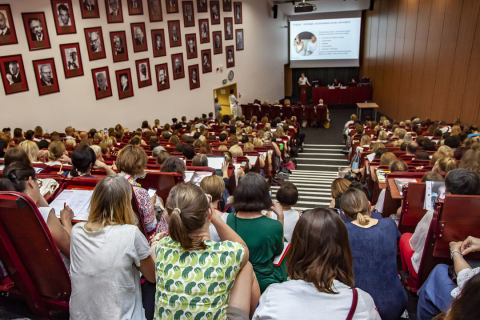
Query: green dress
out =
(263, 237)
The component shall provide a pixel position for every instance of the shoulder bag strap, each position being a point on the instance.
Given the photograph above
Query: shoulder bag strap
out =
(354, 304)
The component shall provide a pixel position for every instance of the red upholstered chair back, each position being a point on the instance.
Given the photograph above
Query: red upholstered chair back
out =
(163, 182)
(275, 111)
(30, 255)
(412, 209)
(287, 112)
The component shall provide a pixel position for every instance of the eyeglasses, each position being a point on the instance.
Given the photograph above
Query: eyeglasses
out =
(40, 183)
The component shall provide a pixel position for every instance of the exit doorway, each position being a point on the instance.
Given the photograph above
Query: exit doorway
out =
(222, 94)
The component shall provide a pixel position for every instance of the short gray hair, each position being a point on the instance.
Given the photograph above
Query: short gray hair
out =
(267, 135)
(157, 150)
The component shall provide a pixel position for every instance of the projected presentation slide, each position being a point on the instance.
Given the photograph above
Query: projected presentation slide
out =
(332, 39)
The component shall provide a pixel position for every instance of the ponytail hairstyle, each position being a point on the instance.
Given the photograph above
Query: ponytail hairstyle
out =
(15, 177)
(83, 158)
(355, 206)
(187, 208)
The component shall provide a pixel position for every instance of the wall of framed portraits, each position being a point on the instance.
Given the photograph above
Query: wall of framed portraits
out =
(96, 63)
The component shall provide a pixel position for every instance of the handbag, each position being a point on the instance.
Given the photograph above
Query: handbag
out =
(351, 313)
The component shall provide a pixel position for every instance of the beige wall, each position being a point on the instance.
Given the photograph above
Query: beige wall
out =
(258, 71)
(423, 57)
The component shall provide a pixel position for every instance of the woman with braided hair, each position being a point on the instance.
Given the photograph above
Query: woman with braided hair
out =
(197, 277)
(374, 252)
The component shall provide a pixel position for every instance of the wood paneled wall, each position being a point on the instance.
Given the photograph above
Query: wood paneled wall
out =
(423, 58)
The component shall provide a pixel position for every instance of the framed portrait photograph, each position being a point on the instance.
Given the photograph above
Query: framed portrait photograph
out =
(188, 14)
(36, 30)
(139, 38)
(158, 43)
(228, 23)
(118, 39)
(101, 83)
(114, 11)
(63, 17)
(204, 30)
(124, 83)
(71, 60)
(13, 74)
(174, 33)
(230, 56)
(215, 12)
(202, 6)
(135, 7)
(172, 6)
(89, 9)
(238, 12)
(46, 76)
(155, 10)
(206, 56)
(143, 72)
(239, 39)
(177, 66)
(217, 42)
(95, 44)
(8, 35)
(163, 82)
(191, 40)
(227, 5)
(194, 76)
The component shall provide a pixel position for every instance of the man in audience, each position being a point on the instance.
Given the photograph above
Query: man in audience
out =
(70, 132)
(156, 151)
(412, 148)
(189, 152)
(234, 103)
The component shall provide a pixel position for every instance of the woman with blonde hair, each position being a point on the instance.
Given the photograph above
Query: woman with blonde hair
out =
(456, 130)
(236, 151)
(70, 143)
(320, 267)
(174, 140)
(108, 252)
(339, 186)
(385, 160)
(264, 120)
(365, 141)
(445, 164)
(248, 146)
(257, 142)
(207, 278)
(446, 150)
(374, 251)
(57, 154)
(31, 149)
(215, 186)
(131, 164)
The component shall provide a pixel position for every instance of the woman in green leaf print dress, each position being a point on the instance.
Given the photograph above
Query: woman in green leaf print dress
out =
(263, 236)
(198, 278)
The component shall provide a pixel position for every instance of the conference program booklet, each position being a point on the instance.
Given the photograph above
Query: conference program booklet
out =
(382, 175)
(278, 259)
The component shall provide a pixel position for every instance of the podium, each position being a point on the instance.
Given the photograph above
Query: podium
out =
(303, 93)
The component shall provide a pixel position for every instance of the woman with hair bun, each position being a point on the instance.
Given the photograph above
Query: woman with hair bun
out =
(197, 277)
(374, 252)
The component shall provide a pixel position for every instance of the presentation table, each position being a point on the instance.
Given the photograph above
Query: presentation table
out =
(348, 95)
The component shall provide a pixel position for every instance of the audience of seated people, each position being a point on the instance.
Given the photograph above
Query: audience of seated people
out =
(198, 261)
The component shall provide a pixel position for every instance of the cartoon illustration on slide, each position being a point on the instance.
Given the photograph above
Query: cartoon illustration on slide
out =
(305, 43)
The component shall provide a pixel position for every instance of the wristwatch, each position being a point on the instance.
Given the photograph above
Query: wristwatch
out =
(451, 253)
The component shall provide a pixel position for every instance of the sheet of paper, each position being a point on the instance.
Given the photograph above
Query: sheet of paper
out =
(77, 200)
(252, 160)
(371, 156)
(189, 175)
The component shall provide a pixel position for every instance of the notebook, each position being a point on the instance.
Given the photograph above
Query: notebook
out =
(216, 163)
(278, 259)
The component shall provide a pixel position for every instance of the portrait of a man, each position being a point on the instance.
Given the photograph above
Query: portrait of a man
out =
(158, 42)
(63, 15)
(46, 77)
(227, 5)
(102, 84)
(89, 5)
(71, 55)
(155, 10)
(162, 76)
(95, 43)
(240, 40)
(118, 43)
(13, 72)
(188, 17)
(139, 36)
(172, 6)
(230, 56)
(36, 29)
(4, 26)
(206, 61)
(228, 29)
(215, 15)
(202, 5)
(178, 65)
(238, 13)
(124, 83)
(204, 29)
(218, 41)
(143, 72)
(191, 46)
(194, 76)
(113, 8)
(174, 33)
(134, 4)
